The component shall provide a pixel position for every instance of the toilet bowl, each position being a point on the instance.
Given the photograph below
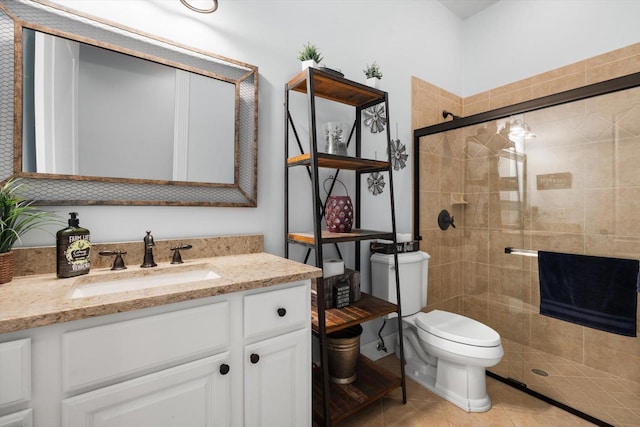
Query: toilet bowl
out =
(445, 352)
(448, 353)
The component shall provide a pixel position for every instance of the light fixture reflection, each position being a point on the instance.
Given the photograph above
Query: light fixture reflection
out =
(520, 129)
(199, 10)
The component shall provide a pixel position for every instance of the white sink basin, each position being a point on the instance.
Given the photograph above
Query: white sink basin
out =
(117, 283)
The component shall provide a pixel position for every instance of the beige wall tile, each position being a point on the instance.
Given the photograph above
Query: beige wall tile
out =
(571, 69)
(475, 244)
(509, 287)
(618, 68)
(557, 337)
(430, 171)
(471, 108)
(451, 281)
(560, 84)
(510, 98)
(511, 87)
(476, 212)
(612, 360)
(618, 246)
(435, 285)
(451, 245)
(594, 338)
(511, 323)
(431, 244)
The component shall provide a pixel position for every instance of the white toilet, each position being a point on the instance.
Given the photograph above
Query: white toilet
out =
(445, 352)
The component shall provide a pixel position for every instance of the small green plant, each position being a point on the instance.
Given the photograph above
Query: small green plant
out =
(310, 51)
(18, 215)
(373, 70)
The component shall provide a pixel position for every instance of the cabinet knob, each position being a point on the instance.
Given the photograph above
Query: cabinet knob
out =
(254, 358)
(282, 312)
(224, 369)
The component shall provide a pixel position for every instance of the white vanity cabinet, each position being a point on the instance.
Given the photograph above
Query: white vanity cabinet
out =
(183, 364)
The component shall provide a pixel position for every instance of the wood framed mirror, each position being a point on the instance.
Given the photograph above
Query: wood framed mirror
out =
(186, 136)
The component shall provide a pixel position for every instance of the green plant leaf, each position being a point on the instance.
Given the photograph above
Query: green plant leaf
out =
(18, 215)
(310, 51)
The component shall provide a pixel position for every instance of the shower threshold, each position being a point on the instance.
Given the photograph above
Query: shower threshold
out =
(523, 387)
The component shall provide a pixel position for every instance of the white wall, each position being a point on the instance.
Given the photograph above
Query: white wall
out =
(406, 37)
(515, 39)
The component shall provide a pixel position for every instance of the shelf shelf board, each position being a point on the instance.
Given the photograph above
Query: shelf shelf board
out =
(336, 88)
(363, 310)
(340, 162)
(356, 234)
(373, 383)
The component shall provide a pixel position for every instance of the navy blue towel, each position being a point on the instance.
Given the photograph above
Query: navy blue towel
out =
(592, 291)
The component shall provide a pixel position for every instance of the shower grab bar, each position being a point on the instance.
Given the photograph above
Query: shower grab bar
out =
(523, 252)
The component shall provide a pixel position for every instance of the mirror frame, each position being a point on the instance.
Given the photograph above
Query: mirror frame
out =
(52, 189)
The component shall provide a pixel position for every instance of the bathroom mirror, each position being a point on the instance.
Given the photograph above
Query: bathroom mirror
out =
(187, 136)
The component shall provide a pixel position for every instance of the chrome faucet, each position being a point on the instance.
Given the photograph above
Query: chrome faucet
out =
(148, 251)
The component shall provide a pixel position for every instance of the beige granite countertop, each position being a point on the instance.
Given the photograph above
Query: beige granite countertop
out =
(39, 300)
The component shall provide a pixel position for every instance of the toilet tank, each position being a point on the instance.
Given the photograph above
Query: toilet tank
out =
(413, 279)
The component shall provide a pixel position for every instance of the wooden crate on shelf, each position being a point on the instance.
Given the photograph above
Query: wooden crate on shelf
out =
(352, 276)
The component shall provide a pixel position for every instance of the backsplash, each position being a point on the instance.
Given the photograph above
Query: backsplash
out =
(42, 260)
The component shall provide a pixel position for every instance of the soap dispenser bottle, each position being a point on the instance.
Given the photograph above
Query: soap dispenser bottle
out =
(73, 244)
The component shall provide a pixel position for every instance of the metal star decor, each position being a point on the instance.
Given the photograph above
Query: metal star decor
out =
(376, 183)
(375, 118)
(398, 154)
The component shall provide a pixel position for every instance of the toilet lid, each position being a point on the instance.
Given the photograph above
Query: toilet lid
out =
(457, 328)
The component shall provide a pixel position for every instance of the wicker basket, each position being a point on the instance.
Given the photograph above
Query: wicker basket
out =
(6, 267)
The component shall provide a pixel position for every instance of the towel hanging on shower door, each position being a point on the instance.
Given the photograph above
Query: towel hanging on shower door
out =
(592, 291)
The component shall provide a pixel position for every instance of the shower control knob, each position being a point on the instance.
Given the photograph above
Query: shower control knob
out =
(445, 220)
(282, 312)
(224, 369)
(254, 358)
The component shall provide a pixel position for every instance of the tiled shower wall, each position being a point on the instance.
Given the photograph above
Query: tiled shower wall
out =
(469, 272)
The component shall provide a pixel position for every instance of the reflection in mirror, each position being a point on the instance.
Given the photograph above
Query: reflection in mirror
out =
(96, 112)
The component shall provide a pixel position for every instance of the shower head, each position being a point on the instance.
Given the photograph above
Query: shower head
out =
(446, 114)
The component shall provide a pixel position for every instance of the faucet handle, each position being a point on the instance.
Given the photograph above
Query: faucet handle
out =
(177, 258)
(118, 262)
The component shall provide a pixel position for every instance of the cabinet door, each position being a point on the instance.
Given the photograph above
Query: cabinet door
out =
(18, 419)
(15, 372)
(195, 394)
(277, 381)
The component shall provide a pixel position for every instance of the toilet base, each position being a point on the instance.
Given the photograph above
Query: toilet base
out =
(446, 382)
(463, 385)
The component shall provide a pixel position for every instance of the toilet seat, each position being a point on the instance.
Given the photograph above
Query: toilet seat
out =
(457, 328)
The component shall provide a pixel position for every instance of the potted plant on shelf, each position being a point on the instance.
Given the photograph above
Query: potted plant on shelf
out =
(309, 56)
(373, 74)
(17, 217)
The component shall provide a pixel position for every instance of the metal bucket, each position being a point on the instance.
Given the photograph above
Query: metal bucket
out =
(343, 348)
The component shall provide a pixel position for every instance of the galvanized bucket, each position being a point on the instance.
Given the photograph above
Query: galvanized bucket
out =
(343, 349)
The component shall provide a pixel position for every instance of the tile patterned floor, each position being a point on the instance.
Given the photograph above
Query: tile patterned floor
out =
(510, 408)
(607, 397)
